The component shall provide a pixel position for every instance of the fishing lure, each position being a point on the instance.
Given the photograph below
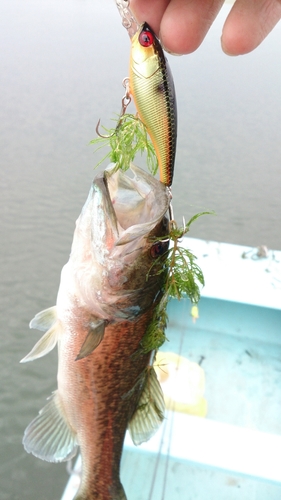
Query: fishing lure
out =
(152, 88)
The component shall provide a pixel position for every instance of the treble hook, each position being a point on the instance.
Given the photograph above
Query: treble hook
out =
(126, 99)
(102, 135)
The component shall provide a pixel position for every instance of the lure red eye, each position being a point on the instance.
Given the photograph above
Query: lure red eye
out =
(146, 38)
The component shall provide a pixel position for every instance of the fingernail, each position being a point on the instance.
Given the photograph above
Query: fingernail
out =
(167, 50)
(170, 52)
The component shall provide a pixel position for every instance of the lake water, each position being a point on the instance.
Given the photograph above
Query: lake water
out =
(61, 67)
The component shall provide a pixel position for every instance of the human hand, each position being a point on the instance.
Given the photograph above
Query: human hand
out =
(183, 24)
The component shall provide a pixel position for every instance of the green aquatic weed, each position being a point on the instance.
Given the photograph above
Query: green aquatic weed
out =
(125, 141)
(184, 274)
(154, 336)
(183, 279)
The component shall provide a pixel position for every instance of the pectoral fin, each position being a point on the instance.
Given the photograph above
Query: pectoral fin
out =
(150, 411)
(45, 344)
(93, 339)
(49, 435)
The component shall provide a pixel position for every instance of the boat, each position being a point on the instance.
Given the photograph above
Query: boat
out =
(230, 449)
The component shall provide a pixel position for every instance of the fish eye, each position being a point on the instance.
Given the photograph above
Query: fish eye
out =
(159, 248)
(146, 38)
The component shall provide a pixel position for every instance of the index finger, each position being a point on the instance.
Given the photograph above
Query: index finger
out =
(150, 11)
(181, 24)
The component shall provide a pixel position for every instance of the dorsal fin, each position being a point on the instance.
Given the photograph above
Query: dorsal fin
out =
(49, 435)
(150, 411)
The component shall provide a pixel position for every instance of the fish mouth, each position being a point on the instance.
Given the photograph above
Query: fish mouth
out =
(133, 203)
(111, 251)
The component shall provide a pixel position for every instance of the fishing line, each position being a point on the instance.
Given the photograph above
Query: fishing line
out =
(171, 426)
(157, 460)
(172, 407)
(167, 459)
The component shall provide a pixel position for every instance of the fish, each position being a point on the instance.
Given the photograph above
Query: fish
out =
(108, 293)
(152, 88)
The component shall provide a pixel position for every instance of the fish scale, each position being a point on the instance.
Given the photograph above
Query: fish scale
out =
(108, 417)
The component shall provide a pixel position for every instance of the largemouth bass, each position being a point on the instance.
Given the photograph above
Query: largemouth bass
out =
(107, 296)
(152, 88)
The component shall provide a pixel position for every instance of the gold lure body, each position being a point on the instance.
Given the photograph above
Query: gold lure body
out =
(152, 88)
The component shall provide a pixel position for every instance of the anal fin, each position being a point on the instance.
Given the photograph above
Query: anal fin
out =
(49, 435)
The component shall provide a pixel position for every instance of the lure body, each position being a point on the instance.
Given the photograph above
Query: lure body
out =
(152, 88)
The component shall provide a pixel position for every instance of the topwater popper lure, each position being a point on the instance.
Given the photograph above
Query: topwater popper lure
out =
(152, 88)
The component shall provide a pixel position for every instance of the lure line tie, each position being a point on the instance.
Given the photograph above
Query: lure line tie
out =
(128, 20)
